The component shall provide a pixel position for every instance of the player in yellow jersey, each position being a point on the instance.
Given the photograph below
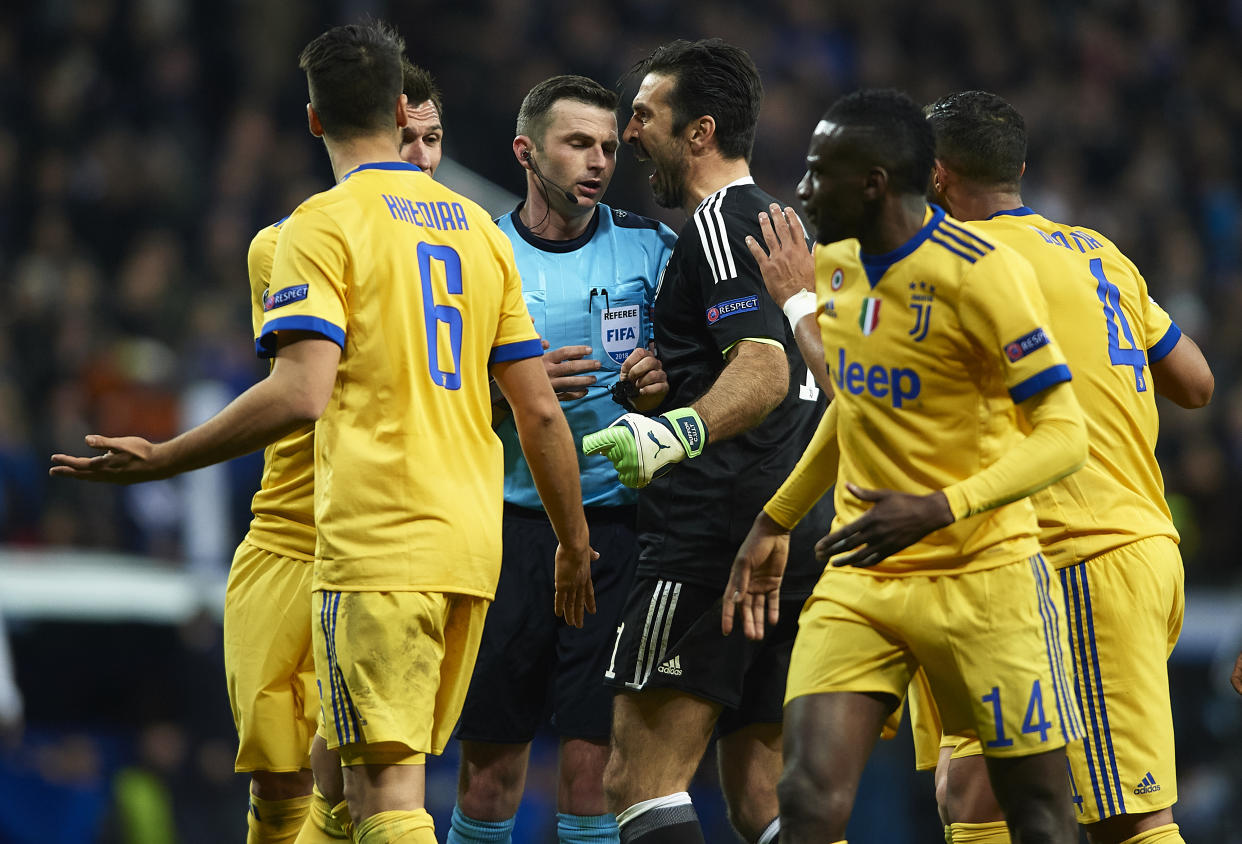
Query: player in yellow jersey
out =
(1106, 528)
(937, 344)
(390, 352)
(267, 634)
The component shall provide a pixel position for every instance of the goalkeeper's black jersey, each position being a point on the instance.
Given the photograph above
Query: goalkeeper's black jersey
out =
(692, 520)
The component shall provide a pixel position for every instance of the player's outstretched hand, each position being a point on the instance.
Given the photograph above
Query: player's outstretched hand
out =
(645, 371)
(754, 589)
(566, 367)
(1236, 677)
(897, 520)
(644, 447)
(125, 460)
(787, 265)
(575, 594)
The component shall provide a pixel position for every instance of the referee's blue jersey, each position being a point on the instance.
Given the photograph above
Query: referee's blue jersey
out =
(596, 290)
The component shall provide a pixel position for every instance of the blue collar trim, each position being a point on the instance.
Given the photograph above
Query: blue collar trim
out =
(1013, 212)
(383, 165)
(877, 265)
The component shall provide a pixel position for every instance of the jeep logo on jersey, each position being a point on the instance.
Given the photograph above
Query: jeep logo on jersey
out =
(734, 306)
(620, 329)
(897, 384)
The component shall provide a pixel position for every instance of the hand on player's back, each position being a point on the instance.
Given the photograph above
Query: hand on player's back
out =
(897, 520)
(787, 265)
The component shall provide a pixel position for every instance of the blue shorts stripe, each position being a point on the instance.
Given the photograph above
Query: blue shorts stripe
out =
(1067, 706)
(351, 711)
(326, 598)
(338, 677)
(1095, 763)
(1041, 595)
(1099, 685)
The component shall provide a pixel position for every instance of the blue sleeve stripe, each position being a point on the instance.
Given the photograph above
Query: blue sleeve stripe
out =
(1165, 345)
(516, 351)
(265, 346)
(1040, 382)
(958, 252)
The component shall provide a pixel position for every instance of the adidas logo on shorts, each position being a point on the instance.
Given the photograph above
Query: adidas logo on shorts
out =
(673, 666)
(1147, 786)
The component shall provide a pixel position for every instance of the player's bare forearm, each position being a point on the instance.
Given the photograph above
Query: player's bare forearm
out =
(1183, 375)
(752, 384)
(294, 393)
(1236, 677)
(553, 461)
(811, 345)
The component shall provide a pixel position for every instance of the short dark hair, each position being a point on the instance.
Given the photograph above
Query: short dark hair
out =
(713, 77)
(979, 136)
(897, 135)
(354, 75)
(532, 119)
(419, 85)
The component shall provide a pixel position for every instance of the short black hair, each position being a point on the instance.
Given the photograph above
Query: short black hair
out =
(980, 136)
(898, 136)
(419, 86)
(532, 119)
(713, 77)
(354, 75)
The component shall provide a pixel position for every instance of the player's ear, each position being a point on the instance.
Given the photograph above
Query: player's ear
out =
(701, 133)
(403, 118)
(1022, 172)
(875, 184)
(312, 121)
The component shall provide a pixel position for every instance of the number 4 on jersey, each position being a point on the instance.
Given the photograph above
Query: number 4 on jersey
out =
(1115, 319)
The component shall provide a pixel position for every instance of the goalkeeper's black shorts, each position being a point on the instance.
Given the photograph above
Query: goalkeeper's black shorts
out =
(669, 638)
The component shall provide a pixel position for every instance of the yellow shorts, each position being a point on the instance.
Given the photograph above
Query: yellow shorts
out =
(1125, 763)
(992, 644)
(267, 659)
(393, 669)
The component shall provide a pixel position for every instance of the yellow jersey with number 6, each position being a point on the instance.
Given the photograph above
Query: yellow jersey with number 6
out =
(418, 287)
(1110, 330)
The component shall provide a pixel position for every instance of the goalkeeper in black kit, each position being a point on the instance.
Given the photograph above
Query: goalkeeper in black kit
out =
(743, 408)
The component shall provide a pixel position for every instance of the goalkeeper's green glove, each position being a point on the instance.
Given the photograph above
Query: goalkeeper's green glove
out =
(644, 447)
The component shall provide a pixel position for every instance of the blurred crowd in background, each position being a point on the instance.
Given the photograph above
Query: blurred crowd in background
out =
(143, 142)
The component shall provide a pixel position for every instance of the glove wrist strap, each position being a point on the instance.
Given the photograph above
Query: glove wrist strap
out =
(689, 429)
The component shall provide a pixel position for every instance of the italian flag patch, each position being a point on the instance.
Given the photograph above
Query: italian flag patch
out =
(870, 316)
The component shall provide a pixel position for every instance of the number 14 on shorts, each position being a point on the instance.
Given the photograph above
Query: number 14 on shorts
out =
(1033, 722)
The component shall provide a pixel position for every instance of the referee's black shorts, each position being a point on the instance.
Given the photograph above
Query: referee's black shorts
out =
(532, 667)
(669, 638)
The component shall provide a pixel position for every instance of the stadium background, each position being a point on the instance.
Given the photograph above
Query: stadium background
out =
(143, 142)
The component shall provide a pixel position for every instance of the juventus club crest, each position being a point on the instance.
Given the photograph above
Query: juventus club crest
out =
(922, 295)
